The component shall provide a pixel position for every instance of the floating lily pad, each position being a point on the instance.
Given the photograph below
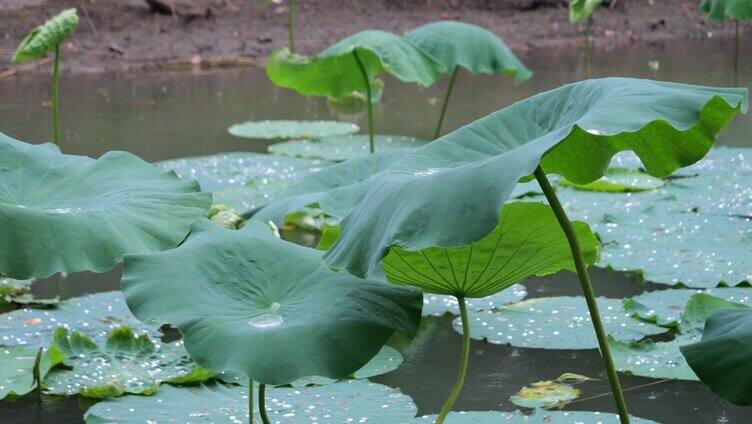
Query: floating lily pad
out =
(94, 315)
(47, 36)
(19, 292)
(665, 307)
(93, 211)
(286, 129)
(342, 148)
(555, 323)
(17, 368)
(545, 394)
(243, 181)
(620, 180)
(126, 364)
(437, 304)
(388, 359)
(537, 417)
(343, 402)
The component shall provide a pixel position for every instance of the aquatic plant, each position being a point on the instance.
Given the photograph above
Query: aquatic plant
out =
(351, 65)
(459, 45)
(449, 192)
(738, 10)
(41, 40)
(285, 129)
(248, 302)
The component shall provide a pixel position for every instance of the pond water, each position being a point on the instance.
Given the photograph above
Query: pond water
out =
(173, 114)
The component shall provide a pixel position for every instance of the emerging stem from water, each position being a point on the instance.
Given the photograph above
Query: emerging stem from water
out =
(736, 52)
(464, 359)
(589, 45)
(56, 98)
(369, 104)
(291, 24)
(587, 289)
(262, 403)
(437, 133)
(250, 401)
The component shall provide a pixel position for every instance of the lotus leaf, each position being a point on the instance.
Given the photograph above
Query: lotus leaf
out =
(388, 359)
(437, 304)
(620, 180)
(545, 394)
(537, 417)
(665, 307)
(342, 148)
(286, 129)
(580, 10)
(247, 301)
(718, 10)
(17, 368)
(47, 36)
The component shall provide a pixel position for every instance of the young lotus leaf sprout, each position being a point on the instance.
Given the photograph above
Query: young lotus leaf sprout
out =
(250, 303)
(352, 65)
(478, 50)
(41, 40)
(738, 10)
(449, 192)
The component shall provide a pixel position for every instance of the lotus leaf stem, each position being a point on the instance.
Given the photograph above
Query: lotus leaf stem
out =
(437, 133)
(262, 403)
(369, 104)
(736, 52)
(56, 98)
(291, 24)
(464, 359)
(587, 289)
(250, 401)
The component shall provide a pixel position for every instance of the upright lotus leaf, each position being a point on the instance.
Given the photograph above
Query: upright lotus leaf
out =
(722, 359)
(719, 10)
(47, 36)
(527, 242)
(126, 364)
(342, 148)
(580, 10)
(64, 213)
(449, 192)
(247, 301)
(17, 368)
(287, 129)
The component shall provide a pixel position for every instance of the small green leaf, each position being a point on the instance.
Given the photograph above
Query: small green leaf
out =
(286, 129)
(719, 10)
(545, 394)
(47, 36)
(342, 148)
(17, 368)
(580, 10)
(620, 180)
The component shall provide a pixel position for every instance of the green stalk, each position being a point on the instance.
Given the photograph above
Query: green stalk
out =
(56, 98)
(464, 359)
(736, 52)
(250, 401)
(37, 373)
(437, 133)
(262, 403)
(587, 290)
(367, 81)
(291, 24)
(588, 45)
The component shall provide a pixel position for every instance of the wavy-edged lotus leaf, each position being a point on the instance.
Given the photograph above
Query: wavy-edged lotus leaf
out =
(545, 394)
(243, 180)
(388, 359)
(474, 48)
(555, 323)
(438, 304)
(343, 402)
(334, 72)
(723, 357)
(665, 307)
(699, 308)
(342, 148)
(93, 211)
(527, 242)
(449, 192)
(125, 364)
(247, 301)
(335, 190)
(47, 36)
(620, 180)
(719, 10)
(537, 417)
(17, 368)
(580, 10)
(94, 315)
(288, 129)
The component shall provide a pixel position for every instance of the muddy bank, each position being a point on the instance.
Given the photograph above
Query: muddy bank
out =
(127, 34)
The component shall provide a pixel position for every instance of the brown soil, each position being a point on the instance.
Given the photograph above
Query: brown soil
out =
(123, 34)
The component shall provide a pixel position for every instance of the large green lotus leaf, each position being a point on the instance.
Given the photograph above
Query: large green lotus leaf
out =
(620, 180)
(537, 417)
(64, 213)
(665, 307)
(388, 359)
(555, 323)
(449, 192)
(718, 10)
(17, 368)
(335, 72)
(47, 36)
(94, 315)
(527, 242)
(472, 47)
(287, 129)
(438, 304)
(344, 402)
(125, 364)
(336, 189)
(247, 301)
(723, 357)
(580, 10)
(243, 180)
(342, 148)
